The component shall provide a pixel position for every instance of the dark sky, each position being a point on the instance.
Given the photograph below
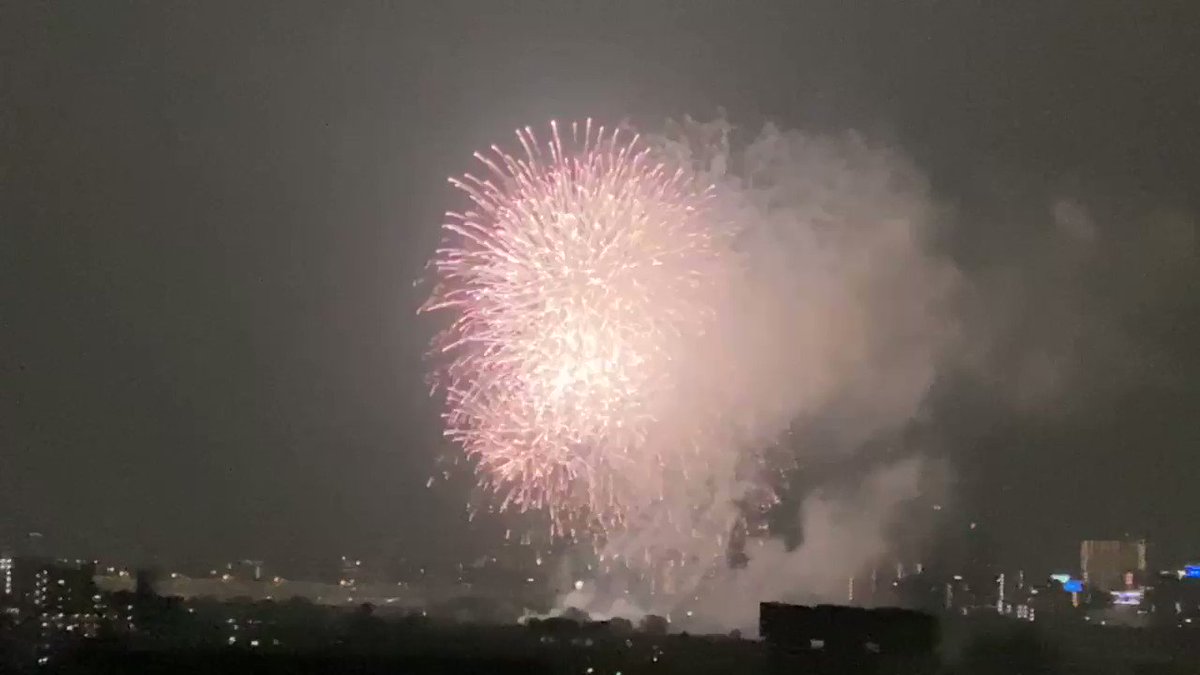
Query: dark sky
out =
(212, 215)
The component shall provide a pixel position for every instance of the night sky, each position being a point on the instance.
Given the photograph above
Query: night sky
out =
(212, 216)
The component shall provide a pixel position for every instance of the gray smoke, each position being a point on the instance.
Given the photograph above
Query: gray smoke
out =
(844, 312)
(828, 337)
(843, 535)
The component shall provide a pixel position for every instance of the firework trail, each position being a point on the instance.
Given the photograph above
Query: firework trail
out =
(583, 266)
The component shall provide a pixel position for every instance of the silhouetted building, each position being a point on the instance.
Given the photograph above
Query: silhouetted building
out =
(1175, 599)
(922, 592)
(66, 591)
(846, 630)
(23, 579)
(1051, 601)
(53, 601)
(1105, 564)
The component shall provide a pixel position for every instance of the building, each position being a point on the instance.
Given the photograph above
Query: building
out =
(1052, 600)
(36, 586)
(22, 578)
(50, 602)
(1105, 564)
(65, 596)
(6, 578)
(1175, 597)
(842, 631)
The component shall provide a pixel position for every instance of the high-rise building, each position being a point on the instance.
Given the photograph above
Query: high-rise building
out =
(6, 577)
(65, 589)
(57, 598)
(1105, 563)
(22, 577)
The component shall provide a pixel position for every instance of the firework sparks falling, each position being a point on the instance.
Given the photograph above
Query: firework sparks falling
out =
(573, 279)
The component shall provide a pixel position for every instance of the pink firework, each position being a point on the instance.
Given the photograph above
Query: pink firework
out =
(580, 269)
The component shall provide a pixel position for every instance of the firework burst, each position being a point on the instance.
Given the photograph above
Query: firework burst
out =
(582, 266)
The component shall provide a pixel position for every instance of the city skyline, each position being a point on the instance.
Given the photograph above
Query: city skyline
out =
(211, 348)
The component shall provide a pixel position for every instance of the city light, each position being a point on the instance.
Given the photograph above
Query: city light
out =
(1134, 597)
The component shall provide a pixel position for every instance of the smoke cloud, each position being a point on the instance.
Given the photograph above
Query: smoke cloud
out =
(843, 312)
(828, 335)
(842, 534)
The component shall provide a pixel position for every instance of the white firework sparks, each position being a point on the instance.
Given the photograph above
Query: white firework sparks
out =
(580, 269)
